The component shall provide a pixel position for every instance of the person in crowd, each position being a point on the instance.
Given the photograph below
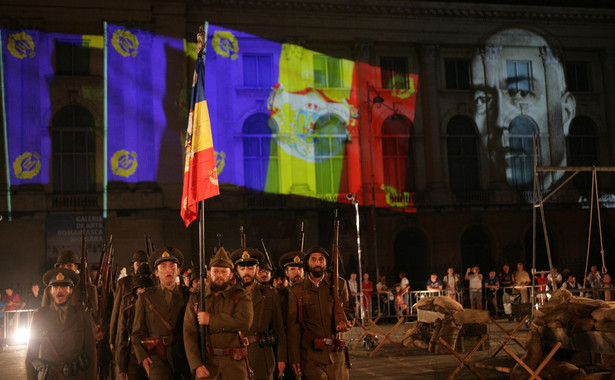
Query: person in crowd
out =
(492, 284)
(367, 288)
(607, 284)
(401, 307)
(279, 281)
(353, 288)
(434, 283)
(594, 281)
(385, 296)
(451, 283)
(405, 287)
(555, 279)
(475, 279)
(12, 299)
(541, 287)
(572, 285)
(264, 273)
(522, 279)
(34, 298)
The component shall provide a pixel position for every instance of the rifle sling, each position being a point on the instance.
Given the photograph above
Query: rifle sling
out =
(153, 308)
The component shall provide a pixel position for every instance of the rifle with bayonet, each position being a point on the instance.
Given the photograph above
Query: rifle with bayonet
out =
(85, 273)
(149, 245)
(242, 237)
(267, 255)
(302, 238)
(339, 316)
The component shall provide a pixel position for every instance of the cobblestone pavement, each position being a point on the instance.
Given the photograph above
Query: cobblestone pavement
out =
(388, 363)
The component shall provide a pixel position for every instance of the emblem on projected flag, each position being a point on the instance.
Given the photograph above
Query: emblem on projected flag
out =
(124, 163)
(27, 166)
(225, 44)
(21, 45)
(125, 43)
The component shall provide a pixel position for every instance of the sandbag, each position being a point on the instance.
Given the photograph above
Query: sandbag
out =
(583, 307)
(449, 332)
(604, 314)
(583, 324)
(561, 295)
(561, 316)
(435, 333)
(448, 303)
(606, 326)
(551, 306)
(425, 303)
(558, 370)
(418, 343)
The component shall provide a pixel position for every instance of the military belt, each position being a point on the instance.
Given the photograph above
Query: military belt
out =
(312, 338)
(252, 339)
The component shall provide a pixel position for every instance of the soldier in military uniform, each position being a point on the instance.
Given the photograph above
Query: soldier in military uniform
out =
(263, 276)
(70, 260)
(267, 331)
(128, 365)
(124, 287)
(292, 262)
(157, 330)
(228, 312)
(315, 347)
(62, 344)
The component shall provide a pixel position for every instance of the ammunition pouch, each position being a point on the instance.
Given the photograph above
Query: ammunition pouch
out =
(320, 344)
(267, 338)
(155, 345)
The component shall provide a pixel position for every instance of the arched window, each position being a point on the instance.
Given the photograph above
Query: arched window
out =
(462, 154)
(582, 149)
(521, 153)
(397, 153)
(260, 156)
(73, 150)
(330, 138)
(476, 249)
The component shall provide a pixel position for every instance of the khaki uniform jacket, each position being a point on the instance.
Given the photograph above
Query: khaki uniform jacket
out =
(148, 324)
(75, 298)
(123, 342)
(267, 317)
(230, 311)
(283, 297)
(69, 339)
(317, 305)
(124, 287)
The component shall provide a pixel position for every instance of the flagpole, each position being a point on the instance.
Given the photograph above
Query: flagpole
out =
(105, 120)
(203, 264)
(5, 137)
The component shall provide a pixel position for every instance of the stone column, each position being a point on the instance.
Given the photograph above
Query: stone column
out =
(428, 85)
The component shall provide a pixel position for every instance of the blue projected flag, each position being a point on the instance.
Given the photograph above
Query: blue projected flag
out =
(27, 68)
(137, 88)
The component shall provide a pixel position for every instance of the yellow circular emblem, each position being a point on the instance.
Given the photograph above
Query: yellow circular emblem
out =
(220, 158)
(21, 45)
(124, 163)
(225, 44)
(27, 166)
(59, 277)
(125, 43)
(297, 259)
(166, 254)
(245, 255)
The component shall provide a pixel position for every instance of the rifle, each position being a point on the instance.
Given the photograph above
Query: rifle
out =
(242, 237)
(85, 273)
(339, 316)
(149, 245)
(105, 271)
(267, 255)
(302, 238)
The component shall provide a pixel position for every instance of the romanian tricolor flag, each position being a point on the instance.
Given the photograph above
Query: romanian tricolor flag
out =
(200, 175)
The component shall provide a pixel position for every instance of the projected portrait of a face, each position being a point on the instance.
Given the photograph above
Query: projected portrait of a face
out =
(520, 91)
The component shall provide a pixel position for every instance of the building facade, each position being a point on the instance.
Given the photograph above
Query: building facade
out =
(426, 111)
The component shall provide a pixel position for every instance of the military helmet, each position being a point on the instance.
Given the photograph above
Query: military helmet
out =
(264, 264)
(143, 271)
(317, 250)
(67, 257)
(140, 257)
(143, 282)
(247, 256)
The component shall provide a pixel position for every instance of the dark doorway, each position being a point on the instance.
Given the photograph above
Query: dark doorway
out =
(412, 256)
(476, 249)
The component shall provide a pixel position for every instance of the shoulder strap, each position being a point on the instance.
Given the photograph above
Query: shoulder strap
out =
(300, 304)
(260, 314)
(153, 308)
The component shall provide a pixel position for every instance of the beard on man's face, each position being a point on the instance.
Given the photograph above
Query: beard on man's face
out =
(217, 286)
(317, 271)
(247, 280)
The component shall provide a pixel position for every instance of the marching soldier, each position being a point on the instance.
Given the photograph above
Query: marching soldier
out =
(62, 344)
(125, 358)
(124, 287)
(267, 331)
(228, 312)
(263, 276)
(159, 311)
(70, 260)
(314, 346)
(292, 262)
